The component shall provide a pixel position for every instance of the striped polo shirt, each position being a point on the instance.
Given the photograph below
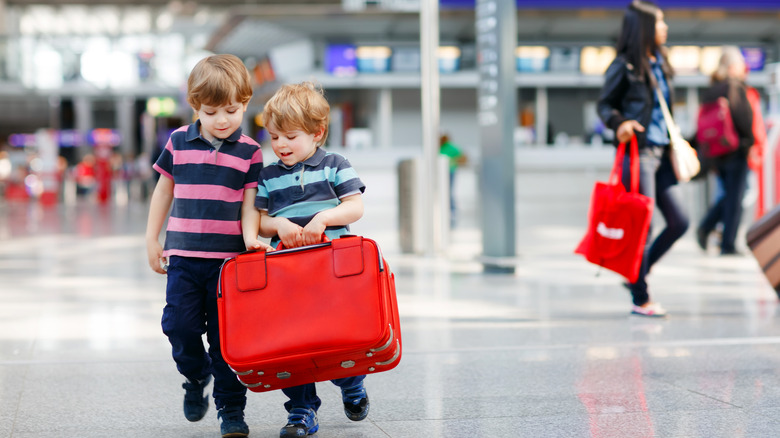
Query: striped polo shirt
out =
(301, 191)
(208, 191)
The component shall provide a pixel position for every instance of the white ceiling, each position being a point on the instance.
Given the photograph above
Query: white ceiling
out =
(255, 29)
(252, 27)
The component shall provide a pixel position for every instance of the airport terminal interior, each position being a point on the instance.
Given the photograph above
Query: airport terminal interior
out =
(547, 347)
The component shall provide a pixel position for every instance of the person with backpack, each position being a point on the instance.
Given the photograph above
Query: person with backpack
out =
(730, 152)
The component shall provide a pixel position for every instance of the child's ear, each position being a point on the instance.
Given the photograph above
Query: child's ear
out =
(318, 136)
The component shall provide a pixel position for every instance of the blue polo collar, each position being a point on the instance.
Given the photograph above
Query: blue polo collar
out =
(312, 161)
(193, 133)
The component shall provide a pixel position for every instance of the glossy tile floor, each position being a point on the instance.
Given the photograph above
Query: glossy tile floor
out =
(549, 351)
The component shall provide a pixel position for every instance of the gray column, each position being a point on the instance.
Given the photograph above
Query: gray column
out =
(3, 18)
(82, 107)
(55, 111)
(496, 22)
(126, 124)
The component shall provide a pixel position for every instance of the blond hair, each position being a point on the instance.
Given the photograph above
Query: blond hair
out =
(218, 80)
(299, 107)
(729, 56)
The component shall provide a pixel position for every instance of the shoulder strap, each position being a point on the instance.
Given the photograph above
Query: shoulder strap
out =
(670, 125)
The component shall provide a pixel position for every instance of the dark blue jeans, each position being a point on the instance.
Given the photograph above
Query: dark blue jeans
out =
(657, 180)
(728, 208)
(191, 311)
(305, 396)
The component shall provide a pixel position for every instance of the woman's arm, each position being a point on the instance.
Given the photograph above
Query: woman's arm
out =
(612, 93)
(609, 104)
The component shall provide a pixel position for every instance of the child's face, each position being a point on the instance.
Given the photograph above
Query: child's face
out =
(293, 146)
(220, 121)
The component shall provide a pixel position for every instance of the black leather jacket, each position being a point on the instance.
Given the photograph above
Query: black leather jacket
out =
(626, 95)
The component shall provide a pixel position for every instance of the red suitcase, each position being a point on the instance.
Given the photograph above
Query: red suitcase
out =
(763, 239)
(308, 314)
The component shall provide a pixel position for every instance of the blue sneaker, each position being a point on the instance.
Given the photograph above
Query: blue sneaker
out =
(195, 403)
(355, 402)
(233, 424)
(301, 422)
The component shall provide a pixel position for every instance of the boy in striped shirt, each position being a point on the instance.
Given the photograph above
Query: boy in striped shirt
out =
(307, 193)
(208, 172)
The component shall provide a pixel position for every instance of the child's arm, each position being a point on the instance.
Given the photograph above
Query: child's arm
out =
(349, 211)
(158, 211)
(250, 222)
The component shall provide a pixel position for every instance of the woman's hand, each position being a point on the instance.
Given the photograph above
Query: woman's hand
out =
(626, 130)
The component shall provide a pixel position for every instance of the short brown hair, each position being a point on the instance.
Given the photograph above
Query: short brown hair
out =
(217, 80)
(299, 106)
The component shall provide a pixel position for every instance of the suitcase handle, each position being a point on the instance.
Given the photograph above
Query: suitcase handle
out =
(281, 246)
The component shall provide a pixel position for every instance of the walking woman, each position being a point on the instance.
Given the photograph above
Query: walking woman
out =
(629, 106)
(728, 81)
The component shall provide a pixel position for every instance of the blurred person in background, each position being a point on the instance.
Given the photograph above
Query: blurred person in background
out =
(756, 154)
(456, 158)
(728, 81)
(86, 179)
(628, 105)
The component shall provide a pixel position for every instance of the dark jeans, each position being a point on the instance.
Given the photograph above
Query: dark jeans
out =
(728, 208)
(305, 396)
(191, 311)
(657, 180)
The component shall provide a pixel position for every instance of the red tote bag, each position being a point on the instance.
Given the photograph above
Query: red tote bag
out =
(618, 221)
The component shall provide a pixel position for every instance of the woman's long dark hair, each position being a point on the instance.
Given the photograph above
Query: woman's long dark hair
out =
(637, 38)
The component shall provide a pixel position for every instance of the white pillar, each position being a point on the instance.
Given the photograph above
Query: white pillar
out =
(542, 116)
(429, 45)
(384, 112)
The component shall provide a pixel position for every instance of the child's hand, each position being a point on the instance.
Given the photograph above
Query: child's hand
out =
(290, 234)
(154, 252)
(258, 245)
(312, 232)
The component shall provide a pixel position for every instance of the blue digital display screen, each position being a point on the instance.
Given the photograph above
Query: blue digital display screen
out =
(340, 59)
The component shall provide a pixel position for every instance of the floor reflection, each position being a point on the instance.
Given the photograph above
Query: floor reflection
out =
(547, 352)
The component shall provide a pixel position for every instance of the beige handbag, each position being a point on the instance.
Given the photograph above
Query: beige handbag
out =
(685, 160)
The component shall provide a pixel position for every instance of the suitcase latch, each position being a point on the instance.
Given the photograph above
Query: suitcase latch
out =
(283, 375)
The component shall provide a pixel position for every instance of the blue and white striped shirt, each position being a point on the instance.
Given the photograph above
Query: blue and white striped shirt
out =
(301, 191)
